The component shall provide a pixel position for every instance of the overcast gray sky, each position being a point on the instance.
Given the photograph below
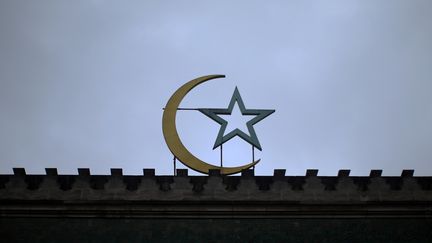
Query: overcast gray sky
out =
(83, 83)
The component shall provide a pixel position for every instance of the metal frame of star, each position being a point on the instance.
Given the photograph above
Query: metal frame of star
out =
(252, 139)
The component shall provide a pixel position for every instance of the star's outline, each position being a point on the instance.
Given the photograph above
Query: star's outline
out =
(252, 139)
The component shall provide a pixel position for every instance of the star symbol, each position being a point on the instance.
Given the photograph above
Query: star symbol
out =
(258, 116)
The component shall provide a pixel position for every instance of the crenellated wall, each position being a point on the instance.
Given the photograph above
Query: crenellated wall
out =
(247, 187)
(215, 208)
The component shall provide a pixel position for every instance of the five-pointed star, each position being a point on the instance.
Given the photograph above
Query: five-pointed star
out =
(252, 138)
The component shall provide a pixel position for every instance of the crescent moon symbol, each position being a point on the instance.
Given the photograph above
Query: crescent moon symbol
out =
(172, 138)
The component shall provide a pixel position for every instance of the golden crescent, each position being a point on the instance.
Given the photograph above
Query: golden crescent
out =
(172, 138)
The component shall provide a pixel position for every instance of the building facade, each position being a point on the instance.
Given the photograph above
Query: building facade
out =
(215, 208)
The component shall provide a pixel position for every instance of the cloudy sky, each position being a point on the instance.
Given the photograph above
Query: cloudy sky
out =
(83, 83)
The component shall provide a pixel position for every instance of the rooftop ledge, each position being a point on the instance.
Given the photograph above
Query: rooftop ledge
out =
(214, 195)
(149, 186)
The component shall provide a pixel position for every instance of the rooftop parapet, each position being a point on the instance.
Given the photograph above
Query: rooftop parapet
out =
(247, 186)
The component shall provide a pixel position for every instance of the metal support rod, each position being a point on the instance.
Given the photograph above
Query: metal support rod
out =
(253, 156)
(186, 109)
(253, 153)
(221, 156)
(175, 167)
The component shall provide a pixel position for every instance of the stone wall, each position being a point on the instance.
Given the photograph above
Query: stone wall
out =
(276, 192)
(245, 208)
